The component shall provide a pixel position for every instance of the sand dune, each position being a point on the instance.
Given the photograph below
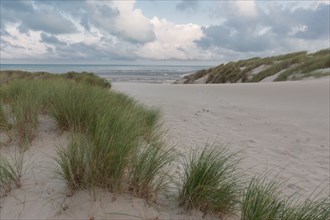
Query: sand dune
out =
(278, 126)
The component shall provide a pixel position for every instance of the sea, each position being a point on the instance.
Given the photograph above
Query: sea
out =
(116, 73)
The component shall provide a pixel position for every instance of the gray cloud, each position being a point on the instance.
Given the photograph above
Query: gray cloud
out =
(267, 30)
(234, 39)
(44, 18)
(50, 39)
(5, 44)
(187, 5)
(317, 22)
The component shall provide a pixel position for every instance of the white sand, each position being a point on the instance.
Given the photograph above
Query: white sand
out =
(280, 126)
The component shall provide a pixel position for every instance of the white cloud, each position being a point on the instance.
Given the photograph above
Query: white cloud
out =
(173, 41)
(246, 8)
(121, 18)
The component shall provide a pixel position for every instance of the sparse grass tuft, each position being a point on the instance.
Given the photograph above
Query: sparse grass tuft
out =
(211, 182)
(10, 172)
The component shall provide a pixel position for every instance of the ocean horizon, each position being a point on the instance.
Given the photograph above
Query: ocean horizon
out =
(115, 73)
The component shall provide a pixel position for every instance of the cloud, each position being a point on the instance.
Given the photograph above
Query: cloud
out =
(113, 30)
(30, 17)
(120, 18)
(173, 41)
(316, 22)
(276, 28)
(50, 39)
(246, 8)
(187, 5)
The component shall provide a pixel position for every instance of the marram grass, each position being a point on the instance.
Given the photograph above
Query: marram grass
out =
(264, 199)
(261, 199)
(10, 172)
(115, 143)
(115, 127)
(149, 173)
(211, 182)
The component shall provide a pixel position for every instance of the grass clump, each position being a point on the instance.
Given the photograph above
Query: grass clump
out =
(73, 162)
(109, 129)
(112, 128)
(3, 119)
(149, 171)
(10, 172)
(314, 209)
(210, 181)
(71, 105)
(263, 199)
(25, 101)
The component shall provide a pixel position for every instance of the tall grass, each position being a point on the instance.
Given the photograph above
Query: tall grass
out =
(10, 172)
(3, 119)
(211, 182)
(264, 199)
(261, 199)
(115, 126)
(25, 100)
(109, 129)
(310, 209)
(149, 170)
(7, 76)
(73, 162)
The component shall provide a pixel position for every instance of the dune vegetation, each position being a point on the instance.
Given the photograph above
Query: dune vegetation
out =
(118, 144)
(83, 77)
(292, 66)
(211, 182)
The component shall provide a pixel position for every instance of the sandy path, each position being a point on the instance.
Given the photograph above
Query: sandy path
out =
(279, 126)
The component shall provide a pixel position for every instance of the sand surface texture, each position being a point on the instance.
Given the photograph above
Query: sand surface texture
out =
(282, 126)
(279, 126)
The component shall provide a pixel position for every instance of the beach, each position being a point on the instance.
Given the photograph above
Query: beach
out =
(278, 127)
(283, 127)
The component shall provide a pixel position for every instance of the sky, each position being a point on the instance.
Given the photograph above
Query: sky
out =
(158, 31)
